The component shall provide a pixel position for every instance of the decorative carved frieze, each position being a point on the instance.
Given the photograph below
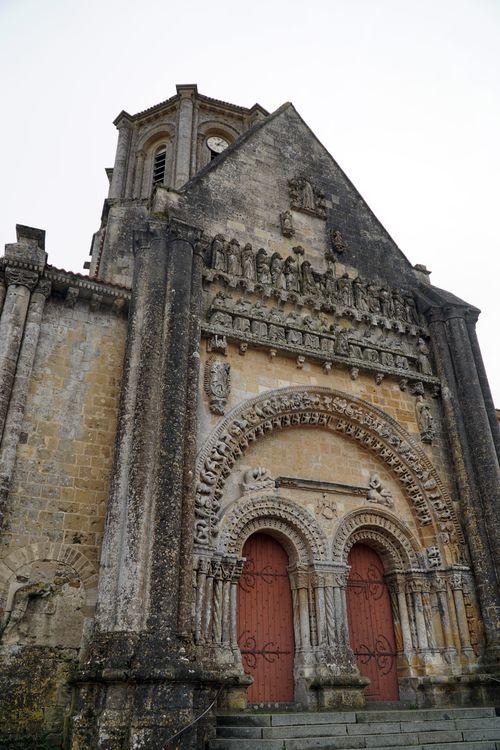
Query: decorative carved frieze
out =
(308, 335)
(306, 198)
(433, 556)
(217, 383)
(332, 410)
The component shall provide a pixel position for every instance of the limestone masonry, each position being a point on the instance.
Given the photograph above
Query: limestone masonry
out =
(250, 460)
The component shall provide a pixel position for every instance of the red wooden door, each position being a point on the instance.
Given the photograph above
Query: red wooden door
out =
(370, 623)
(265, 621)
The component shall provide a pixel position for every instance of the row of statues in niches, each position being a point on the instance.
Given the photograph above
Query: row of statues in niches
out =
(297, 276)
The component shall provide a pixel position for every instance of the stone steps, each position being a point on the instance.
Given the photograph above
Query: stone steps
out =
(433, 729)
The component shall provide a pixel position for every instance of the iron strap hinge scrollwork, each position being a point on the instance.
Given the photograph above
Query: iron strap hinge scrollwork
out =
(249, 651)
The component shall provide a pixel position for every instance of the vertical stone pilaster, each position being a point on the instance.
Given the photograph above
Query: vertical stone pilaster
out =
(184, 135)
(3, 290)
(118, 181)
(140, 159)
(465, 424)
(121, 602)
(463, 627)
(20, 284)
(15, 414)
(471, 320)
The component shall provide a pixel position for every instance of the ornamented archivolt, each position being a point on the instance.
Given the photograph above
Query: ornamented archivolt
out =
(384, 532)
(331, 410)
(280, 515)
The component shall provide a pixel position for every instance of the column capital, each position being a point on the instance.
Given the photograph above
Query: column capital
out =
(43, 287)
(21, 277)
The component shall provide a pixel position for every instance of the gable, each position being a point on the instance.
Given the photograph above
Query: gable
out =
(242, 193)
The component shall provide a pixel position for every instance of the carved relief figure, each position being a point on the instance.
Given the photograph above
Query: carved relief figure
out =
(329, 284)
(234, 258)
(257, 479)
(308, 282)
(385, 302)
(248, 262)
(217, 384)
(425, 420)
(303, 197)
(44, 606)
(344, 286)
(262, 266)
(277, 275)
(360, 295)
(291, 271)
(219, 260)
(377, 494)
(423, 358)
(286, 222)
(337, 241)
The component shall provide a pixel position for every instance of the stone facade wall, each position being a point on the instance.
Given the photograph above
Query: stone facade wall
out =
(55, 515)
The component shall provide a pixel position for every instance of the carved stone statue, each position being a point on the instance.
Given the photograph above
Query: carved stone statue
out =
(277, 275)
(257, 479)
(342, 344)
(330, 284)
(234, 258)
(423, 358)
(262, 267)
(291, 271)
(308, 284)
(286, 221)
(377, 493)
(219, 260)
(373, 298)
(360, 295)
(303, 197)
(308, 201)
(248, 262)
(217, 383)
(385, 302)
(337, 242)
(398, 306)
(425, 420)
(411, 309)
(344, 286)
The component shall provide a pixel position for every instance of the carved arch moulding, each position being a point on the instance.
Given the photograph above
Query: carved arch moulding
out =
(294, 526)
(382, 531)
(332, 410)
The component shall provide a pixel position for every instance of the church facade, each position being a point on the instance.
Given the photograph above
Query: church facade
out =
(249, 460)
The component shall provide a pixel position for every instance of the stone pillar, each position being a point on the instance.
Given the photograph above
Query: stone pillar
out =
(415, 589)
(442, 600)
(469, 435)
(463, 627)
(147, 669)
(3, 290)
(119, 178)
(140, 158)
(20, 284)
(471, 320)
(396, 586)
(15, 414)
(184, 135)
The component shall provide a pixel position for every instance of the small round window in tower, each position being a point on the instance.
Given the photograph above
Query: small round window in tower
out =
(216, 145)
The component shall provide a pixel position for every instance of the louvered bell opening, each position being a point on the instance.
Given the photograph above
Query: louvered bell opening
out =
(159, 167)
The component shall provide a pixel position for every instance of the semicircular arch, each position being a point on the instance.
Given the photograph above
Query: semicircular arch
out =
(330, 409)
(293, 526)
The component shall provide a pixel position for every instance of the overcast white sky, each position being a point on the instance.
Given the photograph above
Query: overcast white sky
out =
(404, 94)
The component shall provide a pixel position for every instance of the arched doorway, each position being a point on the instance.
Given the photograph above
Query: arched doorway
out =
(371, 625)
(265, 621)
